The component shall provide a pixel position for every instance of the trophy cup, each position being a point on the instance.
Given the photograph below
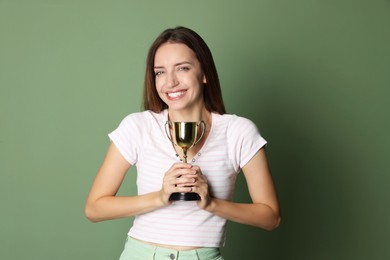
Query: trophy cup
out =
(185, 135)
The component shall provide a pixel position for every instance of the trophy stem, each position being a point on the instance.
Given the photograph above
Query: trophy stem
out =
(185, 155)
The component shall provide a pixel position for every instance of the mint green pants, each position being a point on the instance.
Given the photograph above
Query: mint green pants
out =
(136, 250)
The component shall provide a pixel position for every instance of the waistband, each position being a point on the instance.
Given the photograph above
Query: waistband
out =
(167, 253)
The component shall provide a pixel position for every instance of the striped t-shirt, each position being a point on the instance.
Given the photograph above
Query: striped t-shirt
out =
(142, 140)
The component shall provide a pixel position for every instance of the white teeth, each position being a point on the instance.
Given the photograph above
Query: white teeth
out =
(175, 94)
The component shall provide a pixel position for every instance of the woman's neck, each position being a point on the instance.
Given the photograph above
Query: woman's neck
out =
(189, 116)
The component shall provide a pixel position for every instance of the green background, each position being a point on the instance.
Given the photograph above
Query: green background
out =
(313, 75)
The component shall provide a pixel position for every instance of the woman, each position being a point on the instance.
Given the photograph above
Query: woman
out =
(181, 84)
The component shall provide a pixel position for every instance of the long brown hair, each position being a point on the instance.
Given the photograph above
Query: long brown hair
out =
(212, 90)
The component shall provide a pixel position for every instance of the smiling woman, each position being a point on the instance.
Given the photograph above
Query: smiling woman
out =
(181, 85)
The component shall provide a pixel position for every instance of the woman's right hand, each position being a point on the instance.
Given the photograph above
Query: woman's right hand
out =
(179, 178)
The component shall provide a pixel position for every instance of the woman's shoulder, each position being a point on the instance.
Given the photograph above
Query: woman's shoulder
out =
(146, 116)
(233, 120)
(235, 126)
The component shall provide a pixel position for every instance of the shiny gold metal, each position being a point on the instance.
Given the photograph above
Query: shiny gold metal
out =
(185, 134)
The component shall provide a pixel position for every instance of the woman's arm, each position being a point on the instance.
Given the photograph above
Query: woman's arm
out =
(102, 202)
(264, 211)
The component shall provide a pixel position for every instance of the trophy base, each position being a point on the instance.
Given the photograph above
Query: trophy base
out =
(184, 196)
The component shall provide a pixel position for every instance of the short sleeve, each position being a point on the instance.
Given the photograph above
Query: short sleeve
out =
(245, 140)
(127, 137)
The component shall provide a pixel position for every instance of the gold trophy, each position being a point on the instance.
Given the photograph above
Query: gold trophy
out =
(185, 135)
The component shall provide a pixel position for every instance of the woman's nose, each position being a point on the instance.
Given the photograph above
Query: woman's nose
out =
(172, 80)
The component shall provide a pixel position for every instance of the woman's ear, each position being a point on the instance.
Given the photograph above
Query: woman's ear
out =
(204, 79)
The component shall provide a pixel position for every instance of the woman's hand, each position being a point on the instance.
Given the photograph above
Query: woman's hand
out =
(201, 187)
(181, 177)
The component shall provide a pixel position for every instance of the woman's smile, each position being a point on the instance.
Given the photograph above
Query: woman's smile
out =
(176, 95)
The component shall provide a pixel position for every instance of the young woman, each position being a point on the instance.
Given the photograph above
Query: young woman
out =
(181, 84)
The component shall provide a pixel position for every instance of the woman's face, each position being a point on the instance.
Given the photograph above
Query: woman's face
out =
(179, 77)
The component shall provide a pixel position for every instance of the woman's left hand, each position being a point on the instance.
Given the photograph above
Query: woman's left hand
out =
(201, 187)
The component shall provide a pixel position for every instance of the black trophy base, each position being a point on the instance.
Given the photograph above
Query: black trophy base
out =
(186, 196)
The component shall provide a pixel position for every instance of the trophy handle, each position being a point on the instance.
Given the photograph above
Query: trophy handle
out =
(203, 131)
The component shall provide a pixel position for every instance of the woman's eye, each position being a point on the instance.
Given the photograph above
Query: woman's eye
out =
(184, 68)
(158, 73)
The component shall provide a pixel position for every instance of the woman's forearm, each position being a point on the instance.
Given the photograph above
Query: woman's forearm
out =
(254, 214)
(113, 207)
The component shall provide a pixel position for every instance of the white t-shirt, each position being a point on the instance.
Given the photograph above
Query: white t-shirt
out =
(142, 140)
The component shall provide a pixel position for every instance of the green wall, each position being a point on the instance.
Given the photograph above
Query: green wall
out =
(313, 75)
